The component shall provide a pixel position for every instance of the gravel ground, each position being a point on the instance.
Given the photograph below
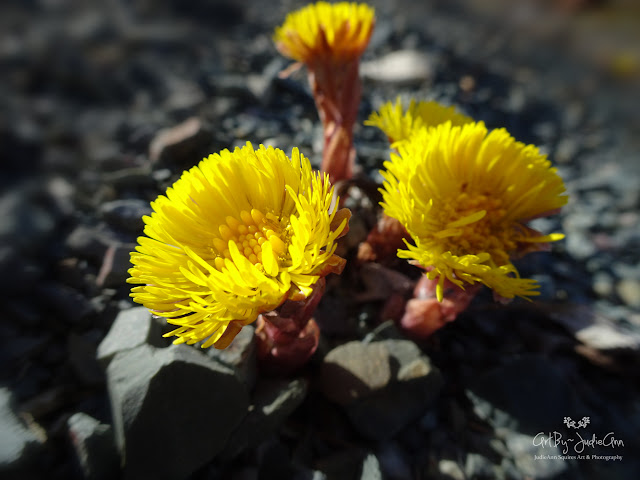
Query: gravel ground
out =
(106, 103)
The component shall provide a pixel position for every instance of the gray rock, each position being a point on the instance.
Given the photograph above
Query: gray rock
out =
(527, 394)
(344, 463)
(272, 402)
(602, 284)
(394, 461)
(95, 447)
(354, 370)
(240, 355)
(509, 470)
(115, 265)
(478, 466)
(173, 409)
(399, 67)
(450, 470)
(579, 245)
(183, 145)
(65, 302)
(130, 329)
(17, 273)
(566, 150)
(371, 380)
(596, 330)
(130, 177)
(81, 351)
(90, 241)
(628, 289)
(184, 97)
(262, 85)
(126, 214)
(371, 468)
(26, 222)
(524, 450)
(20, 447)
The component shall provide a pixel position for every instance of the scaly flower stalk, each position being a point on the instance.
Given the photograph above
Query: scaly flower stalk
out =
(424, 313)
(329, 39)
(236, 236)
(464, 195)
(288, 336)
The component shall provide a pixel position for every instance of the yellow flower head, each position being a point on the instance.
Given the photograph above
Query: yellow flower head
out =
(235, 236)
(464, 194)
(322, 30)
(399, 125)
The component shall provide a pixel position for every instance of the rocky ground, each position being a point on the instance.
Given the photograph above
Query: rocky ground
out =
(105, 103)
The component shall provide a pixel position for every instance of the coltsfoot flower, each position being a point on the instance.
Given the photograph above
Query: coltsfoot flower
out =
(329, 39)
(464, 195)
(236, 236)
(399, 125)
(323, 31)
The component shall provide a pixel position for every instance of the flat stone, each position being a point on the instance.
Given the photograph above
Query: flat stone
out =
(399, 67)
(182, 145)
(115, 265)
(131, 328)
(20, 447)
(126, 214)
(272, 402)
(173, 409)
(450, 470)
(628, 289)
(90, 241)
(240, 355)
(371, 380)
(371, 468)
(596, 330)
(354, 370)
(95, 447)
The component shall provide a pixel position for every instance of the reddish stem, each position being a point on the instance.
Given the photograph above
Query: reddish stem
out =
(424, 314)
(337, 90)
(383, 241)
(288, 336)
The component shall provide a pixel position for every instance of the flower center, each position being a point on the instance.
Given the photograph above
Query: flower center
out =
(249, 233)
(473, 224)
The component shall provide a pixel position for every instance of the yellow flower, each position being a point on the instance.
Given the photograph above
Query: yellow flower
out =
(322, 30)
(464, 195)
(235, 236)
(399, 125)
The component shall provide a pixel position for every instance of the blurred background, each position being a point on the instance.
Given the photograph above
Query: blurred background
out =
(104, 103)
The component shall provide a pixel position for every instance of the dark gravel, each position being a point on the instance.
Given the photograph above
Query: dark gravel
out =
(104, 104)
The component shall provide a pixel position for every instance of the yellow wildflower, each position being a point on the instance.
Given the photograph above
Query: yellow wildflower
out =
(464, 195)
(235, 236)
(399, 125)
(329, 39)
(322, 30)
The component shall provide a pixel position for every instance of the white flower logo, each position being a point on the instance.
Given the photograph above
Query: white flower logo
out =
(580, 424)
